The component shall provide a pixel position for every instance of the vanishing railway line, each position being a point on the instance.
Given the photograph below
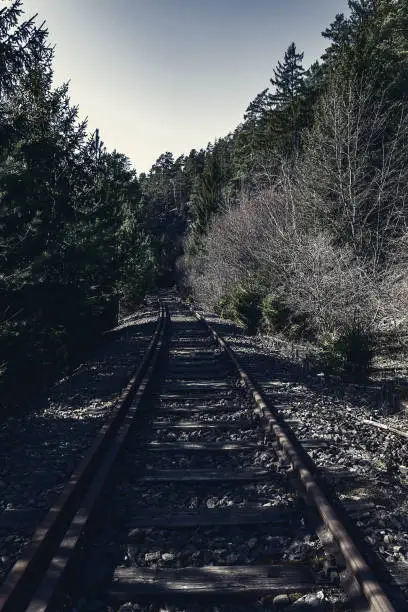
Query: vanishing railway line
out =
(195, 491)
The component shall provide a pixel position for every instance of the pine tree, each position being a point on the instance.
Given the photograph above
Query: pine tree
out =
(192, 168)
(208, 196)
(163, 196)
(288, 83)
(339, 32)
(259, 107)
(23, 45)
(371, 44)
(252, 139)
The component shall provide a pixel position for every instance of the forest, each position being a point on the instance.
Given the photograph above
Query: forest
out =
(295, 223)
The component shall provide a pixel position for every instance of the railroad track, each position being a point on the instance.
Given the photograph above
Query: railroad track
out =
(194, 491)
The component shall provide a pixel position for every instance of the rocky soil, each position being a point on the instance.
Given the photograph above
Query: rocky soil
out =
(366, 466)
(41, 445)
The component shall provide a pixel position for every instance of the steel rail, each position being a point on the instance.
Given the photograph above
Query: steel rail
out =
(368, 584)
(40, 569)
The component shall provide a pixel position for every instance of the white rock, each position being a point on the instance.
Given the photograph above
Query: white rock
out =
(281, 601)
(153, 556)
(310, 598)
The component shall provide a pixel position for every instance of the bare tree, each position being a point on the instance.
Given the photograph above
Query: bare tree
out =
(354, 172)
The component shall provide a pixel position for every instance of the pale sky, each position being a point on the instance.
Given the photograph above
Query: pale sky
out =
(172, 75)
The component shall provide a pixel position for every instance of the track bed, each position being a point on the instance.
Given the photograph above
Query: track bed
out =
(198, 496)
(200, 507)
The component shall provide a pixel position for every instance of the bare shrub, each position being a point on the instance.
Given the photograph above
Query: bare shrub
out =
(329, 285)
(393, 305)
(264, 241)
(325, 233)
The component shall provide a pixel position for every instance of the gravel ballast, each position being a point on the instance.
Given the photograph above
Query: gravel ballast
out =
(43, 444)
(366, 467)
(115, 541)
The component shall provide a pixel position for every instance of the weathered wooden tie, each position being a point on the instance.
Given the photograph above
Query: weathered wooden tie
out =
(197, 408)
(204, 447)
(132, 582)
(237, 425)
(181, 396)
(201, 386)
(282, 516)
(208, 475)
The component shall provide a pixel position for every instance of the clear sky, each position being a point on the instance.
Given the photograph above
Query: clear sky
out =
(172, 75)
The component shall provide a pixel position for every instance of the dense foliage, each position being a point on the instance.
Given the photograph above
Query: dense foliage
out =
(73, 235)
(297, 222)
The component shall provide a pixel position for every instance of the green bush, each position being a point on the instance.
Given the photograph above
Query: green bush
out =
(224, 307)
(277, 317)
(242, 306)
(348, 355)
(32, 351)
(249, 310)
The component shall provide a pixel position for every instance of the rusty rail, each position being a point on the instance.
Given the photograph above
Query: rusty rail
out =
(32, 575)
(368, 584)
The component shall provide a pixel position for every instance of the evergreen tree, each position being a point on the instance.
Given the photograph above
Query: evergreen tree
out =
(162, 196)
(339, 32)
(23, 45)
(314, 83)
(252, 138)
(71, 227)
(288, 83)
(371, 44)
(259, 107)
(209, 191)
(193, 168)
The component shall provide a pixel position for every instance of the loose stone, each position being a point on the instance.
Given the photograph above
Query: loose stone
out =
(281, 601)
(153, 556)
